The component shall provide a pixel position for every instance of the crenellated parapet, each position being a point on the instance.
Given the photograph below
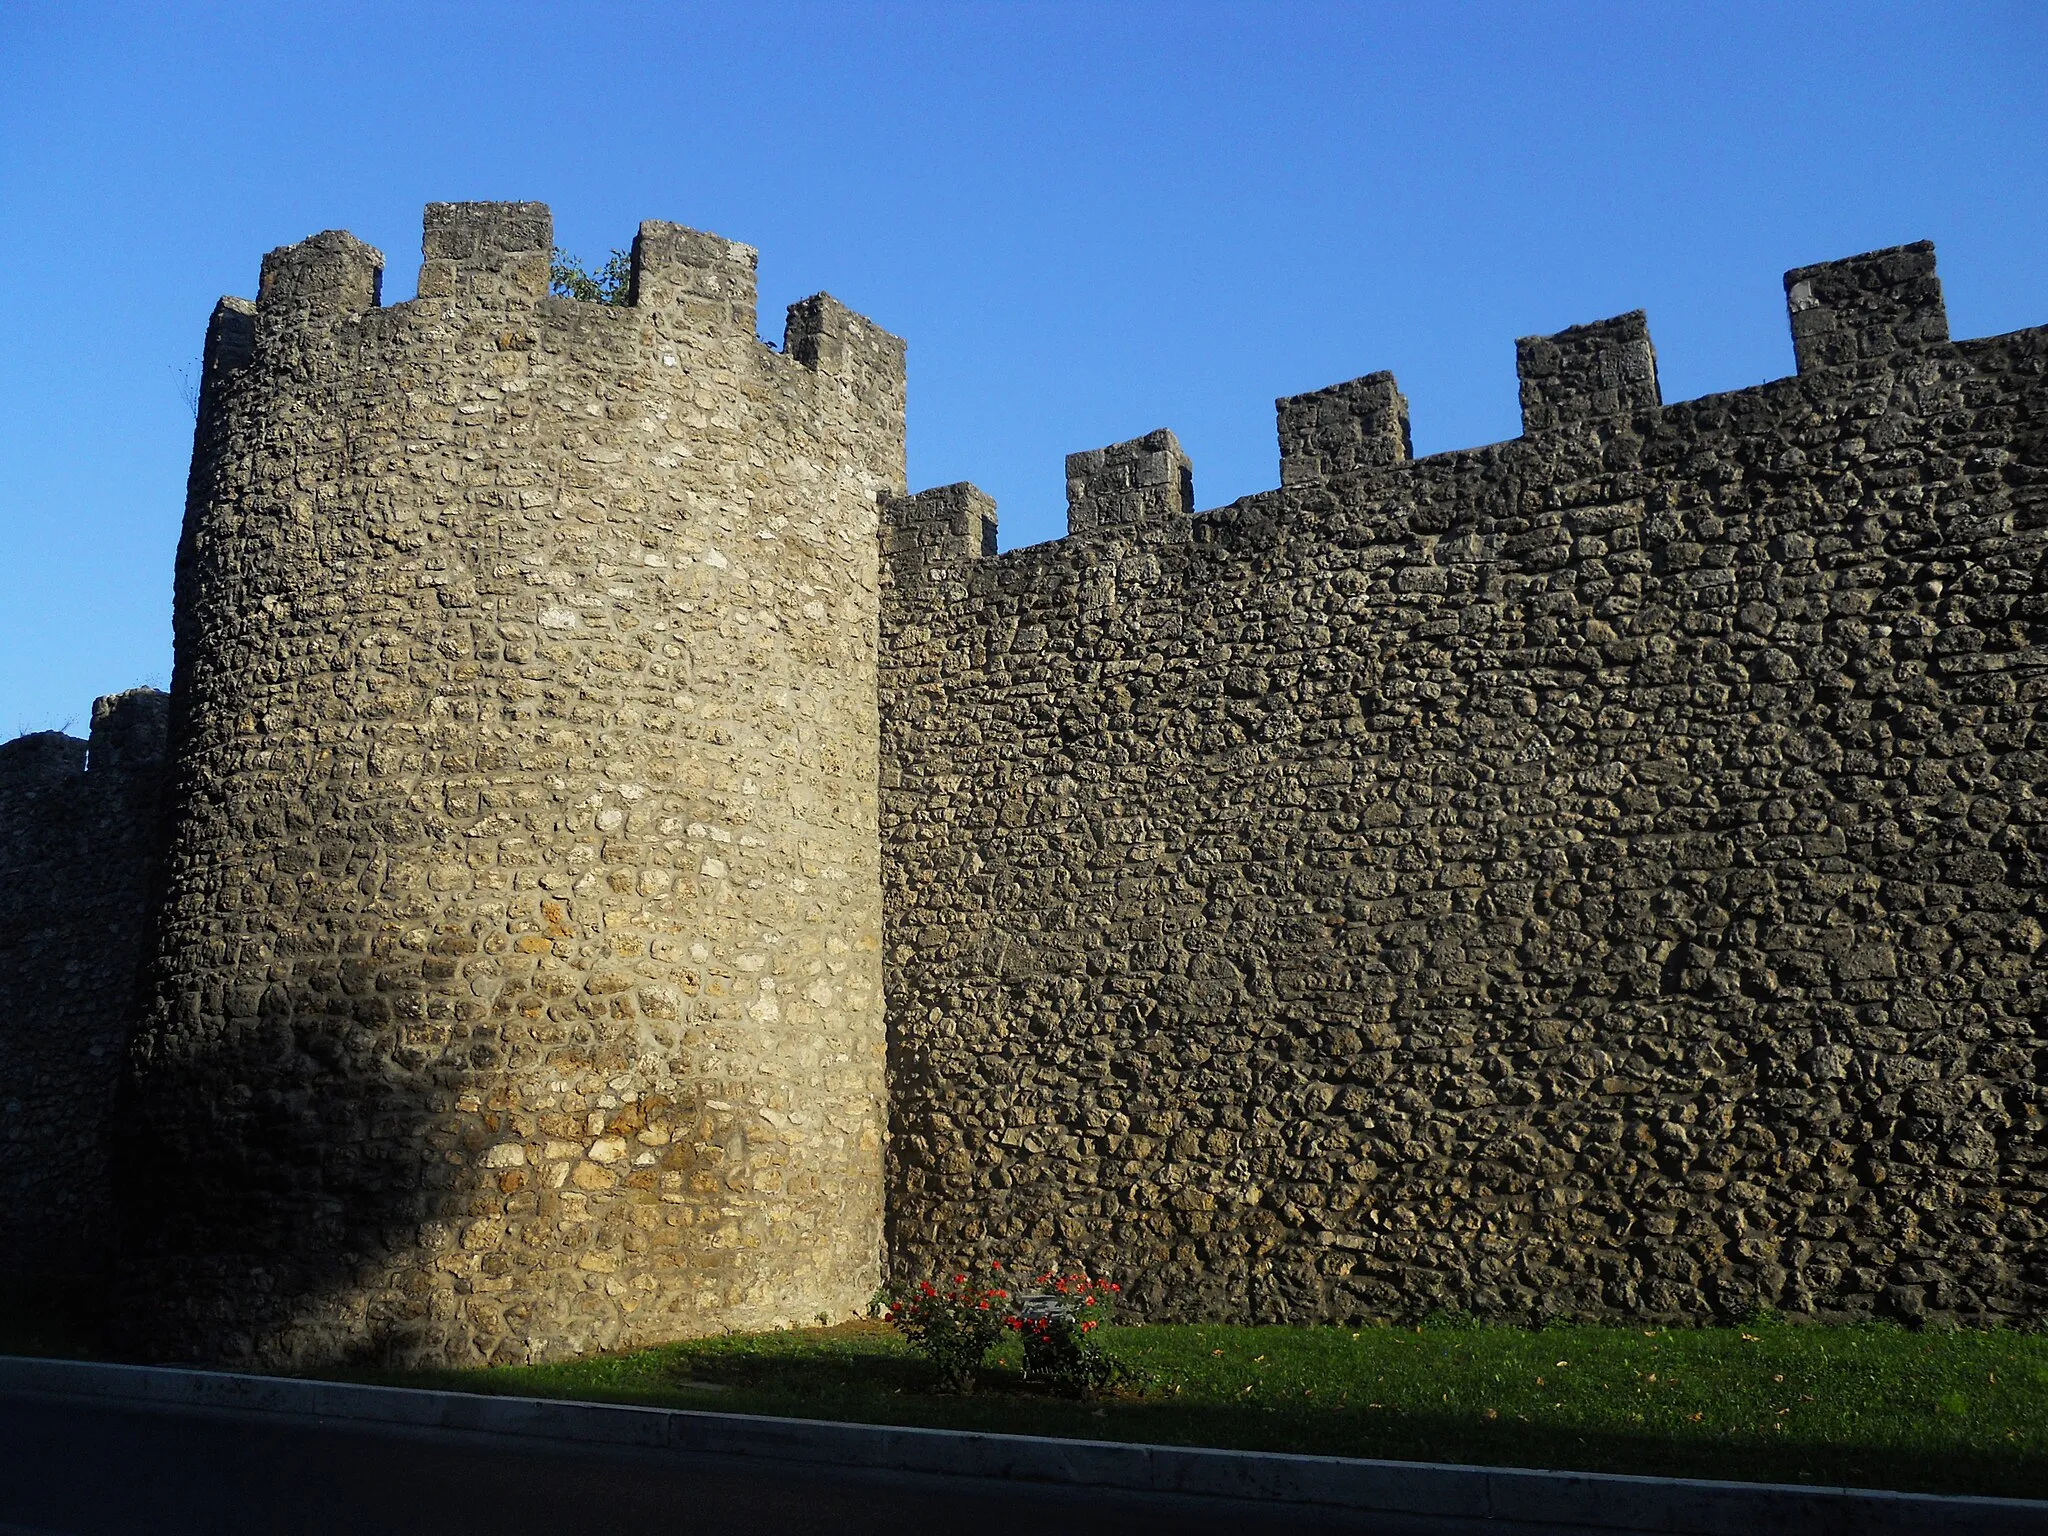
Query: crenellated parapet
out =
(934, 536)
(479, 255)
(1586, 384)
(1362, 424)
(704, 281)
(1587, 373)
(38, 760)
(486, 261)
(1142, 490)
(1866, 307)
(328, 276)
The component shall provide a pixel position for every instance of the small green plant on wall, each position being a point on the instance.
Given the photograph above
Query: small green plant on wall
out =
(611, 283)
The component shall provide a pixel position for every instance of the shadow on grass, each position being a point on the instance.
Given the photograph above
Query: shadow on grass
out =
(863, 1376)
(862, 1373)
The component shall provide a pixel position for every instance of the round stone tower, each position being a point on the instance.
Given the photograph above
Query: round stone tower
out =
(518, 989)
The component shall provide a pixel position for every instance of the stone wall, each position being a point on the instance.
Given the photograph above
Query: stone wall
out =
(518, 987)
(77, 843)
(1597, 874)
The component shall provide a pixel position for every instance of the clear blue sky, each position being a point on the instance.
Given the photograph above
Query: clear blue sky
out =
(1090, 220)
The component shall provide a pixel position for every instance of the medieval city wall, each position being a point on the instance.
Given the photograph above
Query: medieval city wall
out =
(78, 822)
(1595, 874)
(1600, 873)
(517, 989)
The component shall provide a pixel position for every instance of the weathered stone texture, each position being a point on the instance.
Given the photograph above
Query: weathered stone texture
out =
(1345, 427)
(518, 989)
(1868, 306)
(1596, 874)
(77, 838)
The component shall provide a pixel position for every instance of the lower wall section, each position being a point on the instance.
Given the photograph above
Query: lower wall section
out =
(77, 834)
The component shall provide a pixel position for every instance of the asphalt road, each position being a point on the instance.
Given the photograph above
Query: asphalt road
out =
(85, 1468)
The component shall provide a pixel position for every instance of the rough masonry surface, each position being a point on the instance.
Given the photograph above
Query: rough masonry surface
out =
(517, 979)
(1599, 874)
(78, 823)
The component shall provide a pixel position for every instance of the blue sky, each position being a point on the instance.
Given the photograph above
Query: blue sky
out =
(1089, 220)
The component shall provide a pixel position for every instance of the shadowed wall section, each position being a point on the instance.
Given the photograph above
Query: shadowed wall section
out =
(78, 823)
(1598, 874)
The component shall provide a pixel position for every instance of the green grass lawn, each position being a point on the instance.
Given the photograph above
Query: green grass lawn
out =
(1875, 1406)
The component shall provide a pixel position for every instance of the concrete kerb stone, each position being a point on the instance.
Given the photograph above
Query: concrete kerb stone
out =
(1582, 1500)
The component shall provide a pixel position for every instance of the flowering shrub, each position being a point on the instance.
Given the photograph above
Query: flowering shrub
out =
(1054, 1321)
(954, 1325)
